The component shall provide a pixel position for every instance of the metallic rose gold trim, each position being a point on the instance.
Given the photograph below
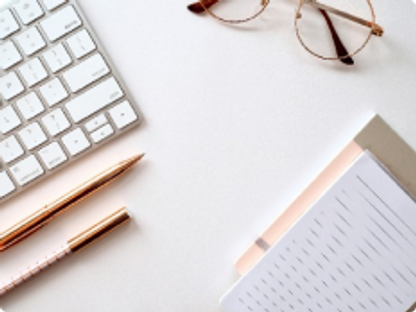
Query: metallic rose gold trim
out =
(299, 206)
(412, 308)
(377, 137)
(99, 230)
(40, 218)
(391, 150)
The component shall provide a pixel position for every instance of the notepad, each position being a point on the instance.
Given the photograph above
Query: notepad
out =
(375, 136)
(354, 249)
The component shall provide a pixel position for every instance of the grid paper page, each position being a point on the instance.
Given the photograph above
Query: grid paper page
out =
(353, 250)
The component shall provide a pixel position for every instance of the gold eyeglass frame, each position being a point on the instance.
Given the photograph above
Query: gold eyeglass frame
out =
(264, 4)
(375, 29)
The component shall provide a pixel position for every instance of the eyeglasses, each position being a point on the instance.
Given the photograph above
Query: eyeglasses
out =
(318, 26)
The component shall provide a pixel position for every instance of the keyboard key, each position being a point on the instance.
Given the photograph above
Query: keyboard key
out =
(57, 58)
(55, 122)
(53, 92)
(53, 4)
(102, 133)
(31, 41)
(8, 24)
(86, 73)
(30, 106)
(11, 86)
(57, 87)
(27, 170)
(96, 122)
(33, 72)
(61, 23)
(81, 44)
(76, 142)
(8, 119)
(9, 55)
(10, 149)
(32, 136)
(52, 155)
(94, 100)
(123, 114)
(6, 185)
(28, 10)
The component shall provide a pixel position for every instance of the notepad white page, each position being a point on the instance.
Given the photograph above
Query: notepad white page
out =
(353, 250)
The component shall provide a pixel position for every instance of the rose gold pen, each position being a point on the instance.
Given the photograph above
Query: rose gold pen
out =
(40, 218)
(76, 244)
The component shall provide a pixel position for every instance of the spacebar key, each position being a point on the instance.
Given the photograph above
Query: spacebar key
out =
(94, 100)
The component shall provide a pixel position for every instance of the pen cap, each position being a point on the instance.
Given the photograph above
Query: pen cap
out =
(99, 230)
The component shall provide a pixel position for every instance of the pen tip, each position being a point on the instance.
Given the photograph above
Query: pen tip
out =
(131, 161)
(138, 157)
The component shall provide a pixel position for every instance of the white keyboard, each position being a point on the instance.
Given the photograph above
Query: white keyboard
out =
(60, 96)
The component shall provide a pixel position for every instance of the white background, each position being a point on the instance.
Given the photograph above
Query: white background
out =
(237, 122)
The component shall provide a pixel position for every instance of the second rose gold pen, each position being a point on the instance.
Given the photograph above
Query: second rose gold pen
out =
(40, 218)
(74, 245)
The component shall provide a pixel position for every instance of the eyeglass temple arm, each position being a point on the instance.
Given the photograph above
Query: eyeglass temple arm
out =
(197, 7)
(339, 46)
(376, 29)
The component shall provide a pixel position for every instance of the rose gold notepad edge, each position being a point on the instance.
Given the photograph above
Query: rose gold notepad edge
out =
(377, 137)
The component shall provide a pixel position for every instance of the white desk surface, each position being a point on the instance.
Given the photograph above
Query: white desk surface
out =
(237, 123)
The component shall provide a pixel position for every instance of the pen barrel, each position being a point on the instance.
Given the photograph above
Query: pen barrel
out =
(99, 230)
(25, 228)
(40, 218)
(86, 189)
(79, 242)
(34, 269)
